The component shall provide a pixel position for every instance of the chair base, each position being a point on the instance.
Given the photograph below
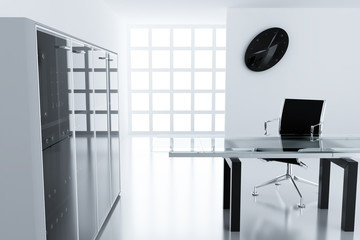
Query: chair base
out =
(288, 176)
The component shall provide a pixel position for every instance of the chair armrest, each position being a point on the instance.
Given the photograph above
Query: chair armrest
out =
(267, 122)
(312, 128)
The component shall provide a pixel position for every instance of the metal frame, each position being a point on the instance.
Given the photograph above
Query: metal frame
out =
(287, 176)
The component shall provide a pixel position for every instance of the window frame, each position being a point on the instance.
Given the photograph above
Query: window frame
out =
(150, 91)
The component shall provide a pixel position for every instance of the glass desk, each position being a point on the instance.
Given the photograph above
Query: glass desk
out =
(338, 150)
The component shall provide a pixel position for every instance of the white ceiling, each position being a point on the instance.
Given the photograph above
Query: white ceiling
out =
(206, 4)
(208, 10)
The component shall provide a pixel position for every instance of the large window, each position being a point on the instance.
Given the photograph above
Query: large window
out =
(177, 79)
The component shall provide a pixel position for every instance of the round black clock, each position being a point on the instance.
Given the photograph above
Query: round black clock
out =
(266, 49)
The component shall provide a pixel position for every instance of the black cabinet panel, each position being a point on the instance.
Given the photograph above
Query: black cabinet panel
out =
(58, 155)
(59, 191)
(53, 80)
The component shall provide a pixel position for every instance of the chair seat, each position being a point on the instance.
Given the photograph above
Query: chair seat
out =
(284, 160)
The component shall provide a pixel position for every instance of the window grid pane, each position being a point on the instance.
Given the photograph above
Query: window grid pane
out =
(177, 79)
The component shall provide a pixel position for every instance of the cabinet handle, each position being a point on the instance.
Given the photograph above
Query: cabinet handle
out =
(106, 58)
(67, 48)
(78, 51)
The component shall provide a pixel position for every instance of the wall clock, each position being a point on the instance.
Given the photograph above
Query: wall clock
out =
(266, 49)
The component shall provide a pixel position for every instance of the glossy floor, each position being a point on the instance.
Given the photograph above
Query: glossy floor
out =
(181, 198)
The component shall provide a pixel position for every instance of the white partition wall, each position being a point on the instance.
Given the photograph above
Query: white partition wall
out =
(321, 63)
(21, 178)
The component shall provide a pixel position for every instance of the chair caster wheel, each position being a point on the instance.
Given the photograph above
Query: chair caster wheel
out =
(301, 205)
(255, 194)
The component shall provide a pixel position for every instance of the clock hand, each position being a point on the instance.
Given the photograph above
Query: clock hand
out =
(269, 55)
(272, 40)
(261, 51)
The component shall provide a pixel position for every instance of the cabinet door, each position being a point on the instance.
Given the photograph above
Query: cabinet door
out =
(102, 134)
(85, 140)
(114, 126)
(58, 142)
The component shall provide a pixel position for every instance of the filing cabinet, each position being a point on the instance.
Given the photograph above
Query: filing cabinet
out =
(59, 105)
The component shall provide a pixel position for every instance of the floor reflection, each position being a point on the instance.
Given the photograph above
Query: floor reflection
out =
(181, 199)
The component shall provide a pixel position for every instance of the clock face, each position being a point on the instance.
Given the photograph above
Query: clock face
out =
(266, 49)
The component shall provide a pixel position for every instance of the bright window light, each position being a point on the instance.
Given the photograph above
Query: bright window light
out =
(160, 37)
(182, 101)
(139, 59)
(182, 122)
(161, 80)
(161, 101)
(182, 80)
(161, 59)
(202, 122)
(203, 101)
(220, 101)
(140, 122)
(177, 79)
(182, 59)
(203, 37)
(182, 37)
(139, 80)
(219, 122)
(139, 37)
(220, 59)
(203, 59)
(220, 81)
(161, 122)
(220, 37)
(203, 80)
(140, 101)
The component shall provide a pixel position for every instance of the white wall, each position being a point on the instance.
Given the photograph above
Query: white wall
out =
(322, 62)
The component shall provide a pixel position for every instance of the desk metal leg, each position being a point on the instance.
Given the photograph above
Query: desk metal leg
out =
(235, 194)
(227, 178)
(349, 192)
(349, 189)
(324, 183)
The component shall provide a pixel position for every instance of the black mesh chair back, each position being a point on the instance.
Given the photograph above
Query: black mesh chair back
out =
(299, 115)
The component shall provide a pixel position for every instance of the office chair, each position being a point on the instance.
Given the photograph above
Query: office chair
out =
(301, 118)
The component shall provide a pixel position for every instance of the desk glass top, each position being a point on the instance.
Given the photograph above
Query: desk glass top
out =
(267, 146)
